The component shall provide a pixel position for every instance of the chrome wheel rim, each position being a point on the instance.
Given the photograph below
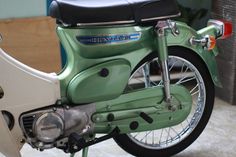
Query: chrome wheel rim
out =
(181, 72)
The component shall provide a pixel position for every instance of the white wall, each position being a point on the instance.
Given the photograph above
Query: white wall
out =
(22, 8)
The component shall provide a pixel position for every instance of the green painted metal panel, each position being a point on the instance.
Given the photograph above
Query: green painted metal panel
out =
(208, 57)
(89, 86)
(126, 109)
(81, 56)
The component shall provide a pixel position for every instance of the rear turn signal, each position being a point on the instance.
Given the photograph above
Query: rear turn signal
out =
(207, 42)
(211, 43)
(225, 28)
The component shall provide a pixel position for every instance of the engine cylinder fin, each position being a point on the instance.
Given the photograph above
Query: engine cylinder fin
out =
(28, 124)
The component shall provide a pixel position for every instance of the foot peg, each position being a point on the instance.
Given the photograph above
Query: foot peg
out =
(146, 117)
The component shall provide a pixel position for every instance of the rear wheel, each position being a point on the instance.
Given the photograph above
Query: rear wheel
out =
(186, 69)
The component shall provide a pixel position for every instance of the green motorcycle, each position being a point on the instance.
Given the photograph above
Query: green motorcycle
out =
(132, 74)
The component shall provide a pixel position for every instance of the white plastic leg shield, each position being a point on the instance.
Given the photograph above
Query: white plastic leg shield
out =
(8, 145)
(24, 89)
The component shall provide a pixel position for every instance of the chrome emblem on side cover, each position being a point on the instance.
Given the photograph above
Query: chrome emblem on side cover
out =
(109, 39)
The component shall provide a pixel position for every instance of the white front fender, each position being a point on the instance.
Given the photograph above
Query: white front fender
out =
(24, 89)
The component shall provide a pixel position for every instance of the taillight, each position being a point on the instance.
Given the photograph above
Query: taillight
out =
(225, 28)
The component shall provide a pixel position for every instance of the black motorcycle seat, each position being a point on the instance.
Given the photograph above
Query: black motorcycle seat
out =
(103, 12)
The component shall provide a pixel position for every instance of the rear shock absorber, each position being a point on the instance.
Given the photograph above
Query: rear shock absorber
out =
(162, 49)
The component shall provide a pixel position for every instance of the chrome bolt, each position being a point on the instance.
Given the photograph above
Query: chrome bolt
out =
(67, 107)
(54, 109)
(22, 141)
(75, 147)
(41, 144)
(97, 119)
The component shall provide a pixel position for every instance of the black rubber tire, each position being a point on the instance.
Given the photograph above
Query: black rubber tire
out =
(129, 146)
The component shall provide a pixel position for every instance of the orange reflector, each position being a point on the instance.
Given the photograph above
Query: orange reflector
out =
(211, 43)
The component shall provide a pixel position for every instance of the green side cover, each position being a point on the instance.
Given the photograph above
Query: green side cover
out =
(84, 87)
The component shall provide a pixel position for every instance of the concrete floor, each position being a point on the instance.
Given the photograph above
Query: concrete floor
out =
(218, 140)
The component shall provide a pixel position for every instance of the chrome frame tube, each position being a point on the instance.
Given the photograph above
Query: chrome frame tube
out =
(166, 80)
(161, 28)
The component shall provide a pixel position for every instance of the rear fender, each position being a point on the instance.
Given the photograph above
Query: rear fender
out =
(183, 40)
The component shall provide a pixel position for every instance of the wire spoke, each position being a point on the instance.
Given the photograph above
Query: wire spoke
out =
(197, 92)
(168, 135)
(184, 81)
(173, 65)
(153, 137)
(136, 134)
(146, 74)
(178, 135)
(145, 136)
(162, 130)
(191, 91)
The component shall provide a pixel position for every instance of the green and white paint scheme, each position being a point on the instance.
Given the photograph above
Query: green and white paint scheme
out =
(100, 61)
